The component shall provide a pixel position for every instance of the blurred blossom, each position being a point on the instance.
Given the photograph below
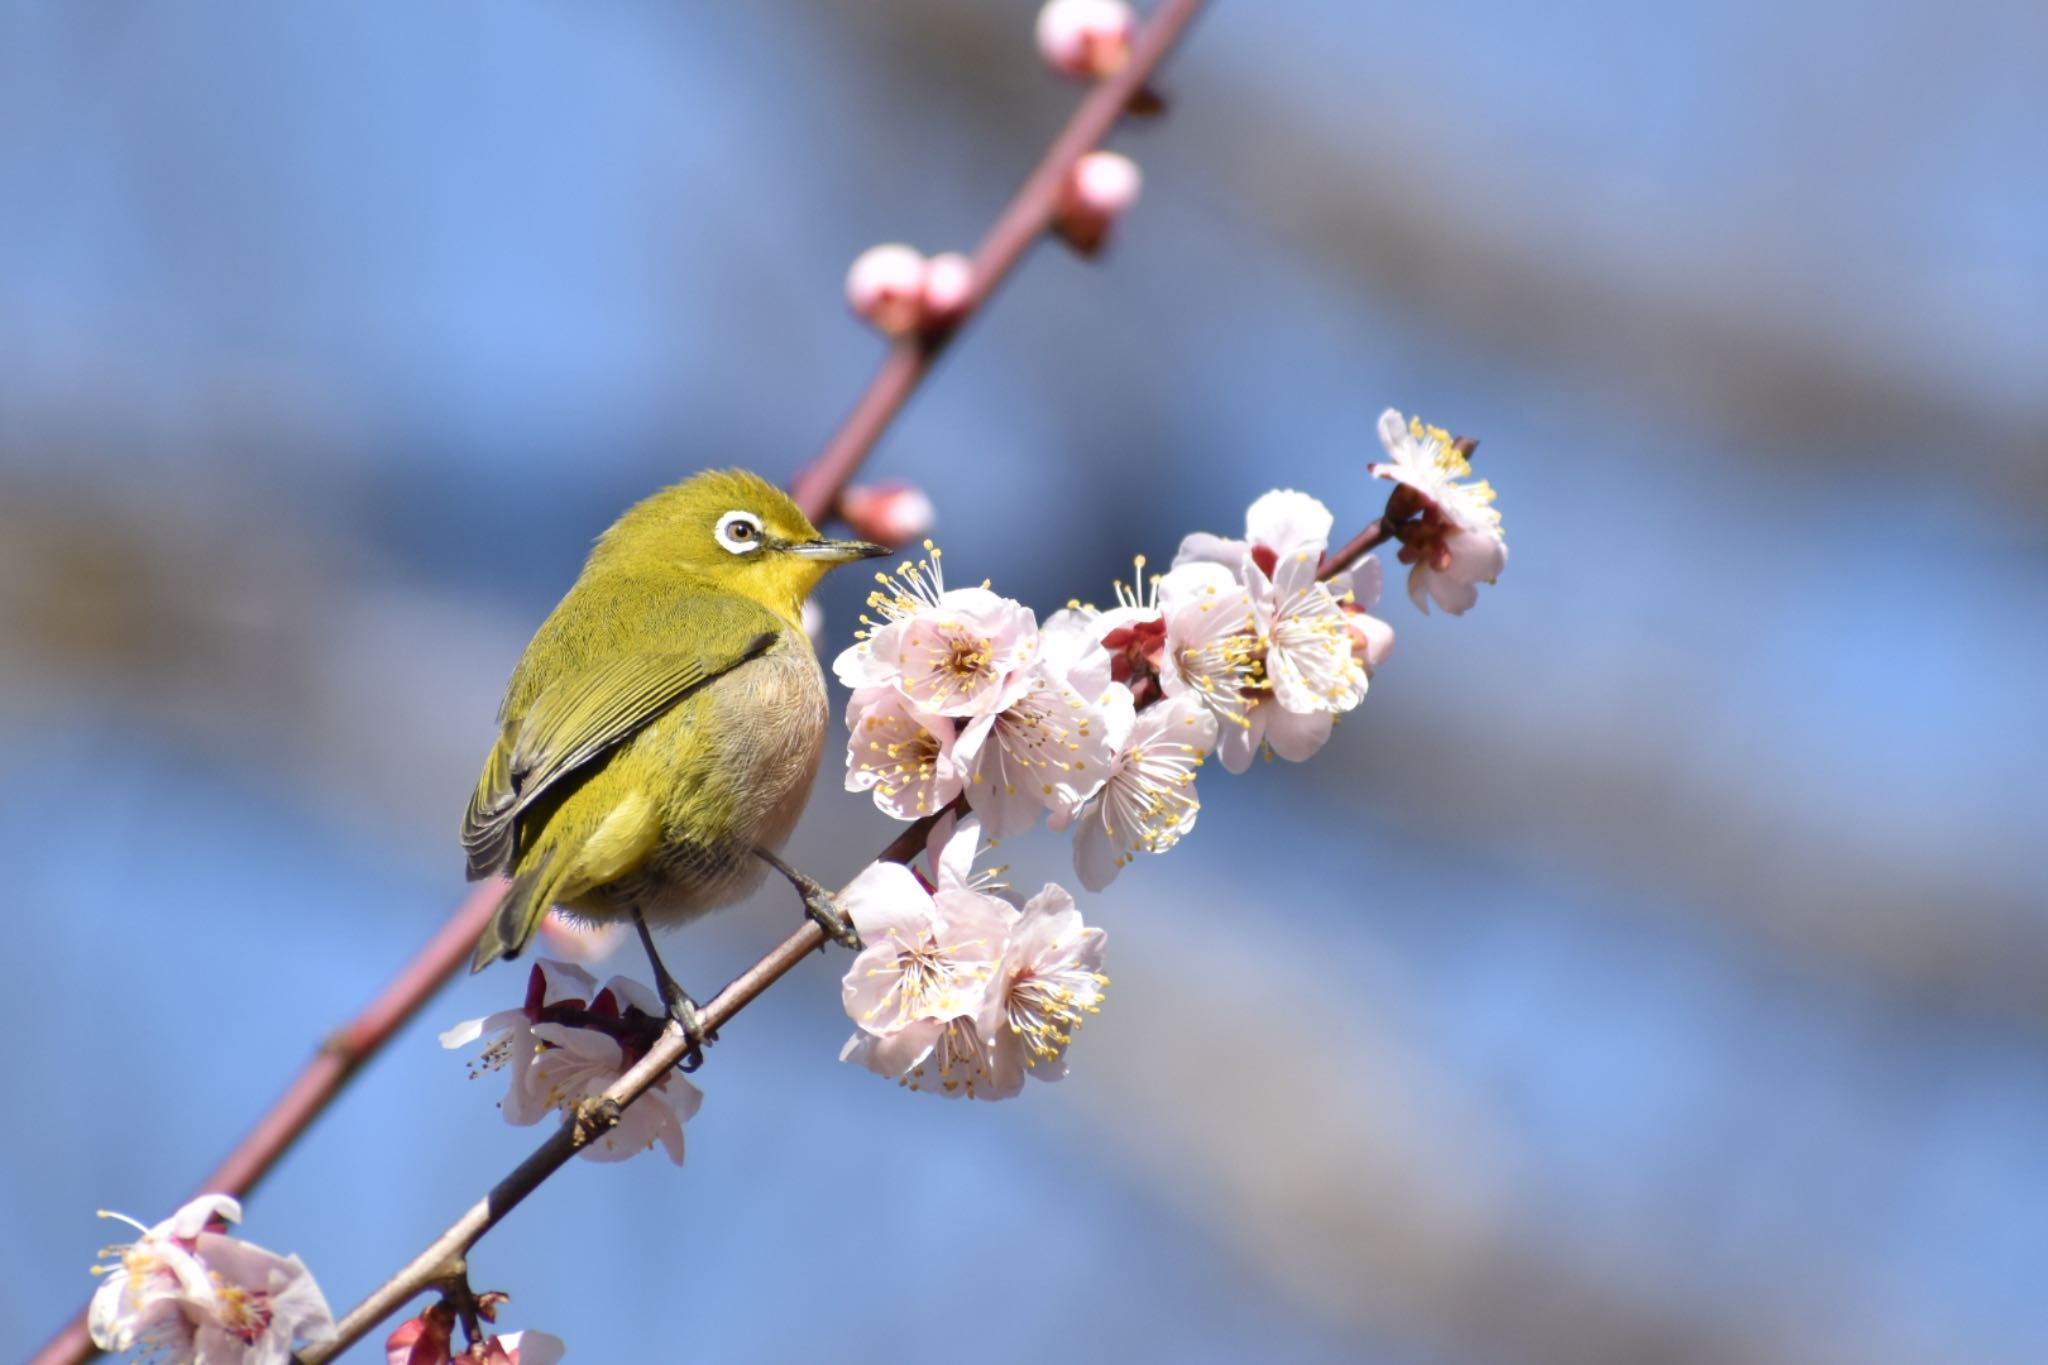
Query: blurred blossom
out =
(885, 286)
(190, 1294)
(1454, 541)
(1099, 190)
(893, 514)
(946, 295)
(1086, 39)
(570, 935)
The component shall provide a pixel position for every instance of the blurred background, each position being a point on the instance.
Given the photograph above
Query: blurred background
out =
(1655, 969)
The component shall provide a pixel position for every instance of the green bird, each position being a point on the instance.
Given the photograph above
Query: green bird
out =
(660, 735)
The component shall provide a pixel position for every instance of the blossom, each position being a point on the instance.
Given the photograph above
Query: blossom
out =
(1098, 191)
(1086, 38)
(893, 513)
(1308, 671)
(1455, 543)
(190, 1294)
(904, 755)
(885, 285)
(929, 959)
(1149, 801)
(1053, 746)
(571, 1041)
(950, 652)
(897, 290)
(1049, 982)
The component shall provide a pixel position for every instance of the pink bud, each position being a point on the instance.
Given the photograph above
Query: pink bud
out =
(1101, 187)
(886, 287)
(893, 514)
(948, 288)
(1086, 38)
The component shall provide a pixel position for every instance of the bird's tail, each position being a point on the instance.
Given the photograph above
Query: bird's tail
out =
(517, 918)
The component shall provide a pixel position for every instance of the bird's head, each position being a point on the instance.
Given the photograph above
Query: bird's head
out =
(732, 530)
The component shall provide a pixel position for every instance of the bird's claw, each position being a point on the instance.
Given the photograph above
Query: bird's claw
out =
(824, 911)
(690, 1020)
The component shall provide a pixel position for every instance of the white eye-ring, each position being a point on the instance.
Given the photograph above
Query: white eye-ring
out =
(740, 532)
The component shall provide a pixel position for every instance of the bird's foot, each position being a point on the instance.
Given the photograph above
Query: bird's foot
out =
(689, 1019)
(677, 1002)
(821, 905)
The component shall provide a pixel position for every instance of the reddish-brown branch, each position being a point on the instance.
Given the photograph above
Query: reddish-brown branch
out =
(1022, 223)
(816, 490)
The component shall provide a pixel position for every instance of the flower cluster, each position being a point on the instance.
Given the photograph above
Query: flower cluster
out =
(1101, 718)
(959, 990)
(568, 1042)
(184, 1291)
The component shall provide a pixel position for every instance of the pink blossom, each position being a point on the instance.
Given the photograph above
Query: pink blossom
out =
(1308, 670)
(946, 295)
(1052, 747)
(569, 1042)
(1149, 801)
(570, 935)
(1049, 982)
(1086, 39)
(893, 514)
(190, 1294)
(1454, 540)
(1099, 190)
(949, 652)
(885, 286)
(904, 755)
(918, 989)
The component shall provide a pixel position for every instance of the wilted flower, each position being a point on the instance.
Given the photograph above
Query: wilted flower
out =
(950, 652)
(1454, 539)
(1149, 801)
(905, 756)
(192, 1294)
(569, 1042)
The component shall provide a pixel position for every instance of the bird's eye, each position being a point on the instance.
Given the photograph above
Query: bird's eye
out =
(739, 532)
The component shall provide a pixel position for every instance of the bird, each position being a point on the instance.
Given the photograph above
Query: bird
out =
(660, 735)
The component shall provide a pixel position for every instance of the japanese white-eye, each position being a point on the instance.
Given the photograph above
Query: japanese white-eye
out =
(661, 733)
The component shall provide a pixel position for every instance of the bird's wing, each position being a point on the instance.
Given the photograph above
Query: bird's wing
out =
(574, 721)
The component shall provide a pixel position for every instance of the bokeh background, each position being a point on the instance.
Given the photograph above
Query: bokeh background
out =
(1654, 970)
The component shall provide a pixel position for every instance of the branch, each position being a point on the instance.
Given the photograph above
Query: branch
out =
(816, 490)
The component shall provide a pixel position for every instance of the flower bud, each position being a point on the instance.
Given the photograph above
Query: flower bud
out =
(948, 292)
(1100, 188)
(1086, 39)
(886, 287)
(893, 514)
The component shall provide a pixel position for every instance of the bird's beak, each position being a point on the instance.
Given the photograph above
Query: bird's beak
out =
(839, 551)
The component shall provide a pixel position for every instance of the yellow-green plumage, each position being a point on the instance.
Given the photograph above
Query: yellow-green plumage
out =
(666, 721)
